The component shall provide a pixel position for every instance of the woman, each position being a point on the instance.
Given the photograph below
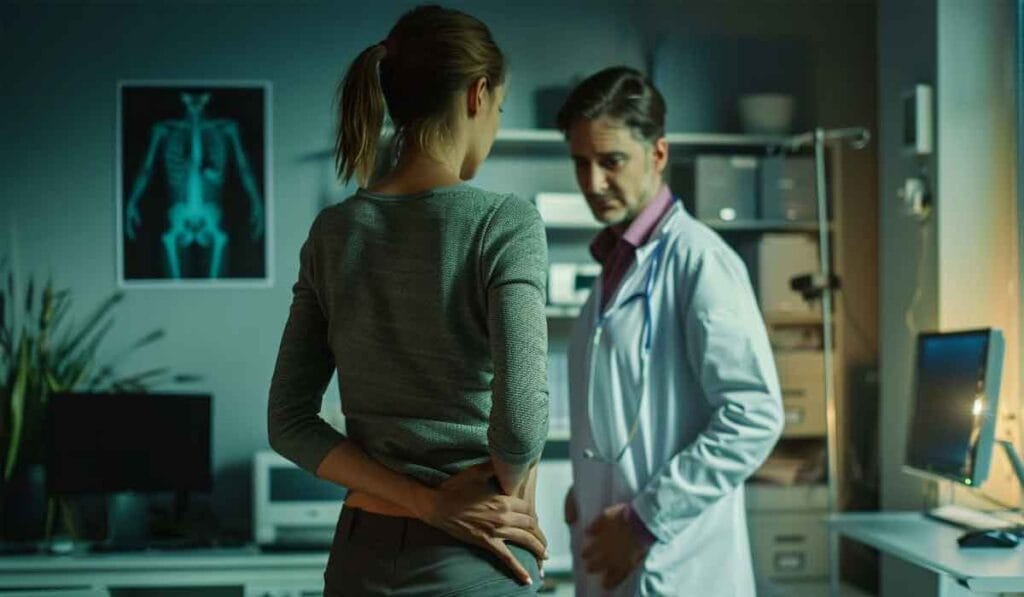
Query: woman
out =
(427, 295)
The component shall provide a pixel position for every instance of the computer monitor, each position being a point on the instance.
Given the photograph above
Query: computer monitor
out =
(124, 446)
(109, 443)
(956, 399)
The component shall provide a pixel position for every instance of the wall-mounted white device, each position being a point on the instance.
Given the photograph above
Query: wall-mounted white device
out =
(918, 128)
(569, 283)
(917, 201)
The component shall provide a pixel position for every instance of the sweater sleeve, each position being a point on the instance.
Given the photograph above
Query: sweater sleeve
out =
(303, 370)
(729, 353)
(514, 263)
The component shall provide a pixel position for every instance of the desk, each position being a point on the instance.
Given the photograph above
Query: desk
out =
(238, 571)
(258, 574)
(930, 544)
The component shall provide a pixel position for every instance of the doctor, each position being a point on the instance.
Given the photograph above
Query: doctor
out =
(674, 396)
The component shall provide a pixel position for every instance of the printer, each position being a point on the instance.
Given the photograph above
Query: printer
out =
(292, 509)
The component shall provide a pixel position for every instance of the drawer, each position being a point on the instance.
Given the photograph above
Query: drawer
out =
(789, 546)
(764, 497)
(801, 377)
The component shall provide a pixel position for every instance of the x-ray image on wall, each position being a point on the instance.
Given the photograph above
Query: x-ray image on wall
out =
(193, 196)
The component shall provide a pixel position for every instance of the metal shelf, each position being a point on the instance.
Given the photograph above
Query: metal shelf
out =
(552, 138)
(561, 312)
(727, 140)
(762, 226)
(702, 139)
(558, 436)
(529, 136)
(573, 228)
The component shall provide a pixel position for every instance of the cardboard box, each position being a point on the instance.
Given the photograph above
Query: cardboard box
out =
(802, 377)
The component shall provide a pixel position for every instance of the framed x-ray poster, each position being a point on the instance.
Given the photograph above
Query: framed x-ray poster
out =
(193, 184)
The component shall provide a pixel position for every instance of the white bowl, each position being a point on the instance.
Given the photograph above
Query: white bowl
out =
(766, 113)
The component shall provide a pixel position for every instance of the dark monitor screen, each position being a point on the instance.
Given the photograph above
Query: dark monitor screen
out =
(297, 485)
(953, 420)
(107, 443)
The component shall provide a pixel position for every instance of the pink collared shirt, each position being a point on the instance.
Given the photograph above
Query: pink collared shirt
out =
(615, 249)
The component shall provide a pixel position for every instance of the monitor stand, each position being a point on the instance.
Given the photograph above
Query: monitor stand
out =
(1015, 460)
(127, 521)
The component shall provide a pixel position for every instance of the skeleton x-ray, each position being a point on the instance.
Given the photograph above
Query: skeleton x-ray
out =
(193, 203)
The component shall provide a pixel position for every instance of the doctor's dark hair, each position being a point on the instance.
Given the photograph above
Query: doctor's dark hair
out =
(430, 55)
(619, 92)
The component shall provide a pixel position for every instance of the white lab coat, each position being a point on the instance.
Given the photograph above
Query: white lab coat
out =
(711, 414)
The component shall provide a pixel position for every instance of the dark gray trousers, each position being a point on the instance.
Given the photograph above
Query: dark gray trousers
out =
(403, 557)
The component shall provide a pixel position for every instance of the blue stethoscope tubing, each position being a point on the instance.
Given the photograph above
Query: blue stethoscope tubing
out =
(646, 336)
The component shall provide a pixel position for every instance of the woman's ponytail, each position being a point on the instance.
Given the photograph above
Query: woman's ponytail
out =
(361, 109)
(430, 56)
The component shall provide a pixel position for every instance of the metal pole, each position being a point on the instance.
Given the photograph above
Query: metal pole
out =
(825, 268)
(857, 136)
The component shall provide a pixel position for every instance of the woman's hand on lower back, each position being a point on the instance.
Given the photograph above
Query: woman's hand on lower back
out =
(470, 507)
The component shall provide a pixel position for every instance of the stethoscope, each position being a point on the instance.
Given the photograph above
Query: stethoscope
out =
(646, 334)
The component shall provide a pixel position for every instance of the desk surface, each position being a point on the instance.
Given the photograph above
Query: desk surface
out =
(197, 559)
(931, 544)
(154, 568)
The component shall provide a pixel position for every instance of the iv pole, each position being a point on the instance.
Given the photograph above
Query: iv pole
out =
(858, 138)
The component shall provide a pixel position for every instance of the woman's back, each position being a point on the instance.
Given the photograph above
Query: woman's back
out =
(428, 299)
(419, 292)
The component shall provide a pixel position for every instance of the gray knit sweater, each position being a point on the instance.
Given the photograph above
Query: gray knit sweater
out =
(431, 308)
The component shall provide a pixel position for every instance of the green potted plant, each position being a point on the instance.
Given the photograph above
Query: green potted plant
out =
(42, 352)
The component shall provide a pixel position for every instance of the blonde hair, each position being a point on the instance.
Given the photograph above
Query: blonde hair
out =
(430, 55)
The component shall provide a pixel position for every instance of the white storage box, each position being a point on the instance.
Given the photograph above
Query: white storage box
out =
(780, 258)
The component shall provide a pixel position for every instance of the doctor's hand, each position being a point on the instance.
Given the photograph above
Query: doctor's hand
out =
(468, 507)
(612, 548)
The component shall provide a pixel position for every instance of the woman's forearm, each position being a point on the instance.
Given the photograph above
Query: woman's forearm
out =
(346, 464)
(515, 479)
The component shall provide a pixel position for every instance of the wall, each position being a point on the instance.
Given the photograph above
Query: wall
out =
(959, 268)
(977, 215)
(63, 61)
(909, 282)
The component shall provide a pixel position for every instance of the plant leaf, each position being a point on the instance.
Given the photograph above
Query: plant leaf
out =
(60, 310)
(46, 313)
(138, 378)
(81, 373)
(149, 338)
(52, 383)
(17, 408)
(29, 295)
(10, 285)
